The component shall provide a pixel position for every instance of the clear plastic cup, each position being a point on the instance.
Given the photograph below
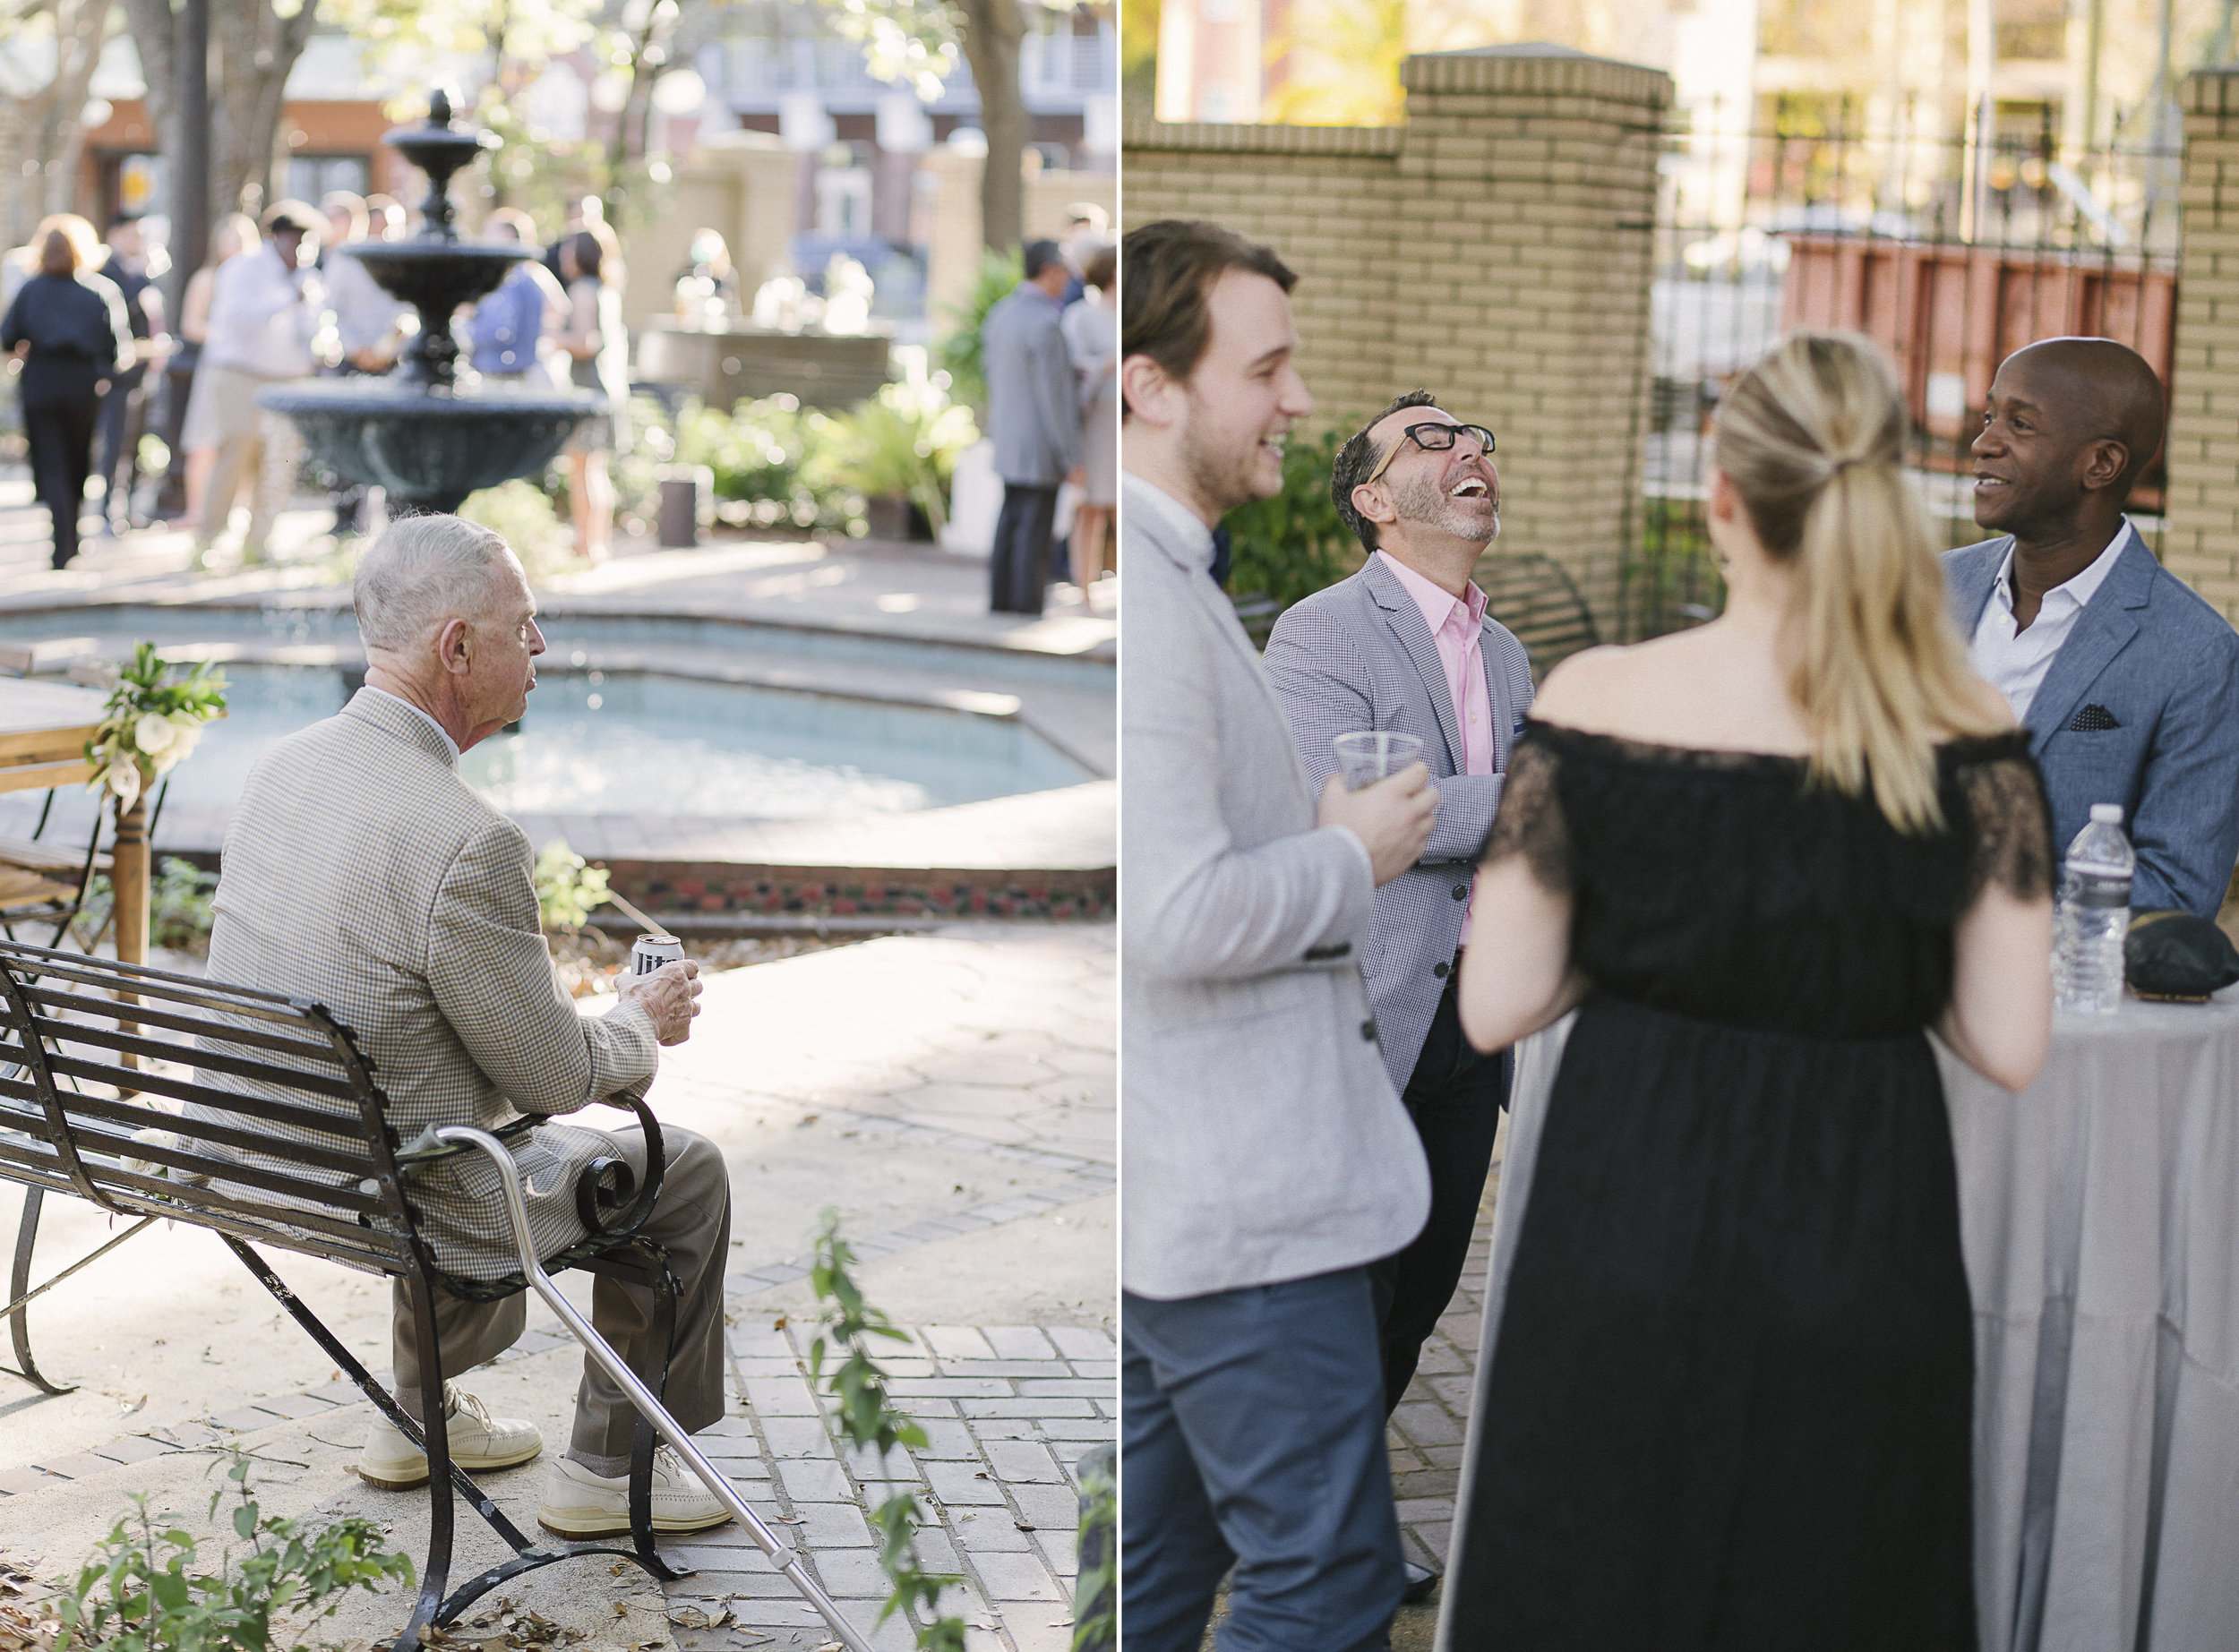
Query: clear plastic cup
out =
(1372, 755)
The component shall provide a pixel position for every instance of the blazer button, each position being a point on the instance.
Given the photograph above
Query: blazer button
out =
(1439, 970)
(1461, 892)
(1367, 1029)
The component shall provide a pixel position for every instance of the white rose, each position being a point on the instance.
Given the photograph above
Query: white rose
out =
(186, 730)
(124, 779)
(153, 733)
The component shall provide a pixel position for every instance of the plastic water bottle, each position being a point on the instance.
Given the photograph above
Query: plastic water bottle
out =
(2093, 916)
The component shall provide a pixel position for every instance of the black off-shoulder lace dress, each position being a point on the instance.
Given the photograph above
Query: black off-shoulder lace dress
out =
(1730, 1400)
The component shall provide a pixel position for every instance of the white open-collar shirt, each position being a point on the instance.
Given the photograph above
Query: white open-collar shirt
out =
(2013, 661)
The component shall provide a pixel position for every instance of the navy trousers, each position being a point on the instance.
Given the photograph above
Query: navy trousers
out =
(1018, 572)
(1253, 1435)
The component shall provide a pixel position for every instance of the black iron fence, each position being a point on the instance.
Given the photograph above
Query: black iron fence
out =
(1950, 253)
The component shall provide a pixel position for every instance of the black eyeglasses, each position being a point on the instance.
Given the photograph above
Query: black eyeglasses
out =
(1432, 436)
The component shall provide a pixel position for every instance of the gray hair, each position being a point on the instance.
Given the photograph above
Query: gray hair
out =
(423, 573)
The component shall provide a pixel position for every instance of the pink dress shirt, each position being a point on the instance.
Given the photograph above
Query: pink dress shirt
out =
(1457, 625)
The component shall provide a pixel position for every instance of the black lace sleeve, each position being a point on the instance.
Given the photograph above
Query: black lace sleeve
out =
(2012, 822)
(1529, 820)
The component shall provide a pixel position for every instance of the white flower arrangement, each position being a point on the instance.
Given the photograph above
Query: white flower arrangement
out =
(149, 725)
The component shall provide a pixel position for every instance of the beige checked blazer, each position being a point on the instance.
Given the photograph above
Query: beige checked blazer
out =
(360, 870)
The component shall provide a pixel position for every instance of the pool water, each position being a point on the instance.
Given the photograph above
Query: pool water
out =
(627, 743)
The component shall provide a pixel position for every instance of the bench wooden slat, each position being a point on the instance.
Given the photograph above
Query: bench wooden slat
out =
(133, 1189)
(33, 856)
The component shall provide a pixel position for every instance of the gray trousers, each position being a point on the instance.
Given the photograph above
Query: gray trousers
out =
(692, 1220)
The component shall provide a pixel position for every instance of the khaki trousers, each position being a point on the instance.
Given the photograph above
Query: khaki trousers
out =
(262, 451)
(692, 1220)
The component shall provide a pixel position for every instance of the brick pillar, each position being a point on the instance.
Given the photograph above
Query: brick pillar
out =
(1525, 203)
(2201, 544)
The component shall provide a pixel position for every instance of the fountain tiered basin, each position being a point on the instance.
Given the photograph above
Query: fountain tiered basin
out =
(419, 433)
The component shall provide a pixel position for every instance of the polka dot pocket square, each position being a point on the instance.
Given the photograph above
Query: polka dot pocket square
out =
(2093, 719)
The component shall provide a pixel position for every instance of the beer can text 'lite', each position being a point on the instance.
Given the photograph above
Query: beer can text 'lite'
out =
(650, 952)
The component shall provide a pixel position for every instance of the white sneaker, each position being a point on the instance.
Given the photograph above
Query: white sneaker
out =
(578, 1504)
(477, 1441)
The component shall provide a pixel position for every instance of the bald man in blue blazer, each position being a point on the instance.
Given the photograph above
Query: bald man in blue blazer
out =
(2127, 682)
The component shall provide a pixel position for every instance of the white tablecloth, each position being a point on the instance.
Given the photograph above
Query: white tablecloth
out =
(2097, 1211)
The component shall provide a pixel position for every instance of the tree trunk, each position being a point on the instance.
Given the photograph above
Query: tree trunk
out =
(50, 136)
(252, 53)
(992, 31)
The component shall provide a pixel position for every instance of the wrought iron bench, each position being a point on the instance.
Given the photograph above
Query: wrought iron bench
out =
(85, 1042)
(1535, 597)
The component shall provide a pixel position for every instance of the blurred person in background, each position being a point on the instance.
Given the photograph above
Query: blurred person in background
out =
(386, 218)
(1086, 228)
(264, 309)
(197, 423)
(1092, 337)
(1033, 418)
(708, 286)
(67, 326)
(123, 418)
(368, 325)
(597, 348)
(514, 332)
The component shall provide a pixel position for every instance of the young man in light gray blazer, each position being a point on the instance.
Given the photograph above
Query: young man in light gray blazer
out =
(362, 871)
(1405, 645)
(2127, 682)
(1268, 1162)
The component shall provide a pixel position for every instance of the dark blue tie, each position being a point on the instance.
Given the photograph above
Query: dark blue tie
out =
(1221, 545)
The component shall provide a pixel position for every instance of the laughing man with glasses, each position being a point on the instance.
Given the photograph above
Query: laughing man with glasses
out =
(1405, 645)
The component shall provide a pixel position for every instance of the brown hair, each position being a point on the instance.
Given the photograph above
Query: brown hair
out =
(1169, 268)
(1357, 458)
(1103, 266)
(1813, 440)
(62, 243)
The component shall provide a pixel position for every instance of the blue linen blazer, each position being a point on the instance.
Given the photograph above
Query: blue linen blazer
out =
(2141, 708)
(1359, 656)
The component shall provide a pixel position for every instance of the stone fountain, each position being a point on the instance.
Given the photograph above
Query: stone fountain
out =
(417, 431)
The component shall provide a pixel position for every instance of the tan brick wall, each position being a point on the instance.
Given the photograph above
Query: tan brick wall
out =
(2201, 544)
(1494, 249)
(953, 202)
(740, 185)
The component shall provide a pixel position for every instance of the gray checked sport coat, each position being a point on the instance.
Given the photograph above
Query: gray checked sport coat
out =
(2141, 708)
(1033, 401)
(362, 871)
(1263, 1140)
(1358, 656)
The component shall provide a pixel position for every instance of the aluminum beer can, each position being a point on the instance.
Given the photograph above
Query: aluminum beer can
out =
(648, 952)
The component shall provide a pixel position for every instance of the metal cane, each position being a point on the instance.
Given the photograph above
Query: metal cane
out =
(789, 1559)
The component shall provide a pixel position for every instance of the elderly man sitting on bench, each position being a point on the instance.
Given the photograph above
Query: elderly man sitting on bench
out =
(361, 871)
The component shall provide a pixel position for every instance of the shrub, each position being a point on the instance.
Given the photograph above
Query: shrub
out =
(522, 511)
(775, 465)
(568, 888)
(1291, 545)
(957, 353)
(904, 443)
(143, 1590)
(870, 1422)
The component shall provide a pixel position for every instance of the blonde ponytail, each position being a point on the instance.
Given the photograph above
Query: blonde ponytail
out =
(1813, 440)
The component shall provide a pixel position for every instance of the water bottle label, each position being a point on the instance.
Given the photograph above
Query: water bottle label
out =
(2100, 894)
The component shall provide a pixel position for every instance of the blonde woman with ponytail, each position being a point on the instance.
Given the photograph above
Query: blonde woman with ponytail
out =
(1729, 1401)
